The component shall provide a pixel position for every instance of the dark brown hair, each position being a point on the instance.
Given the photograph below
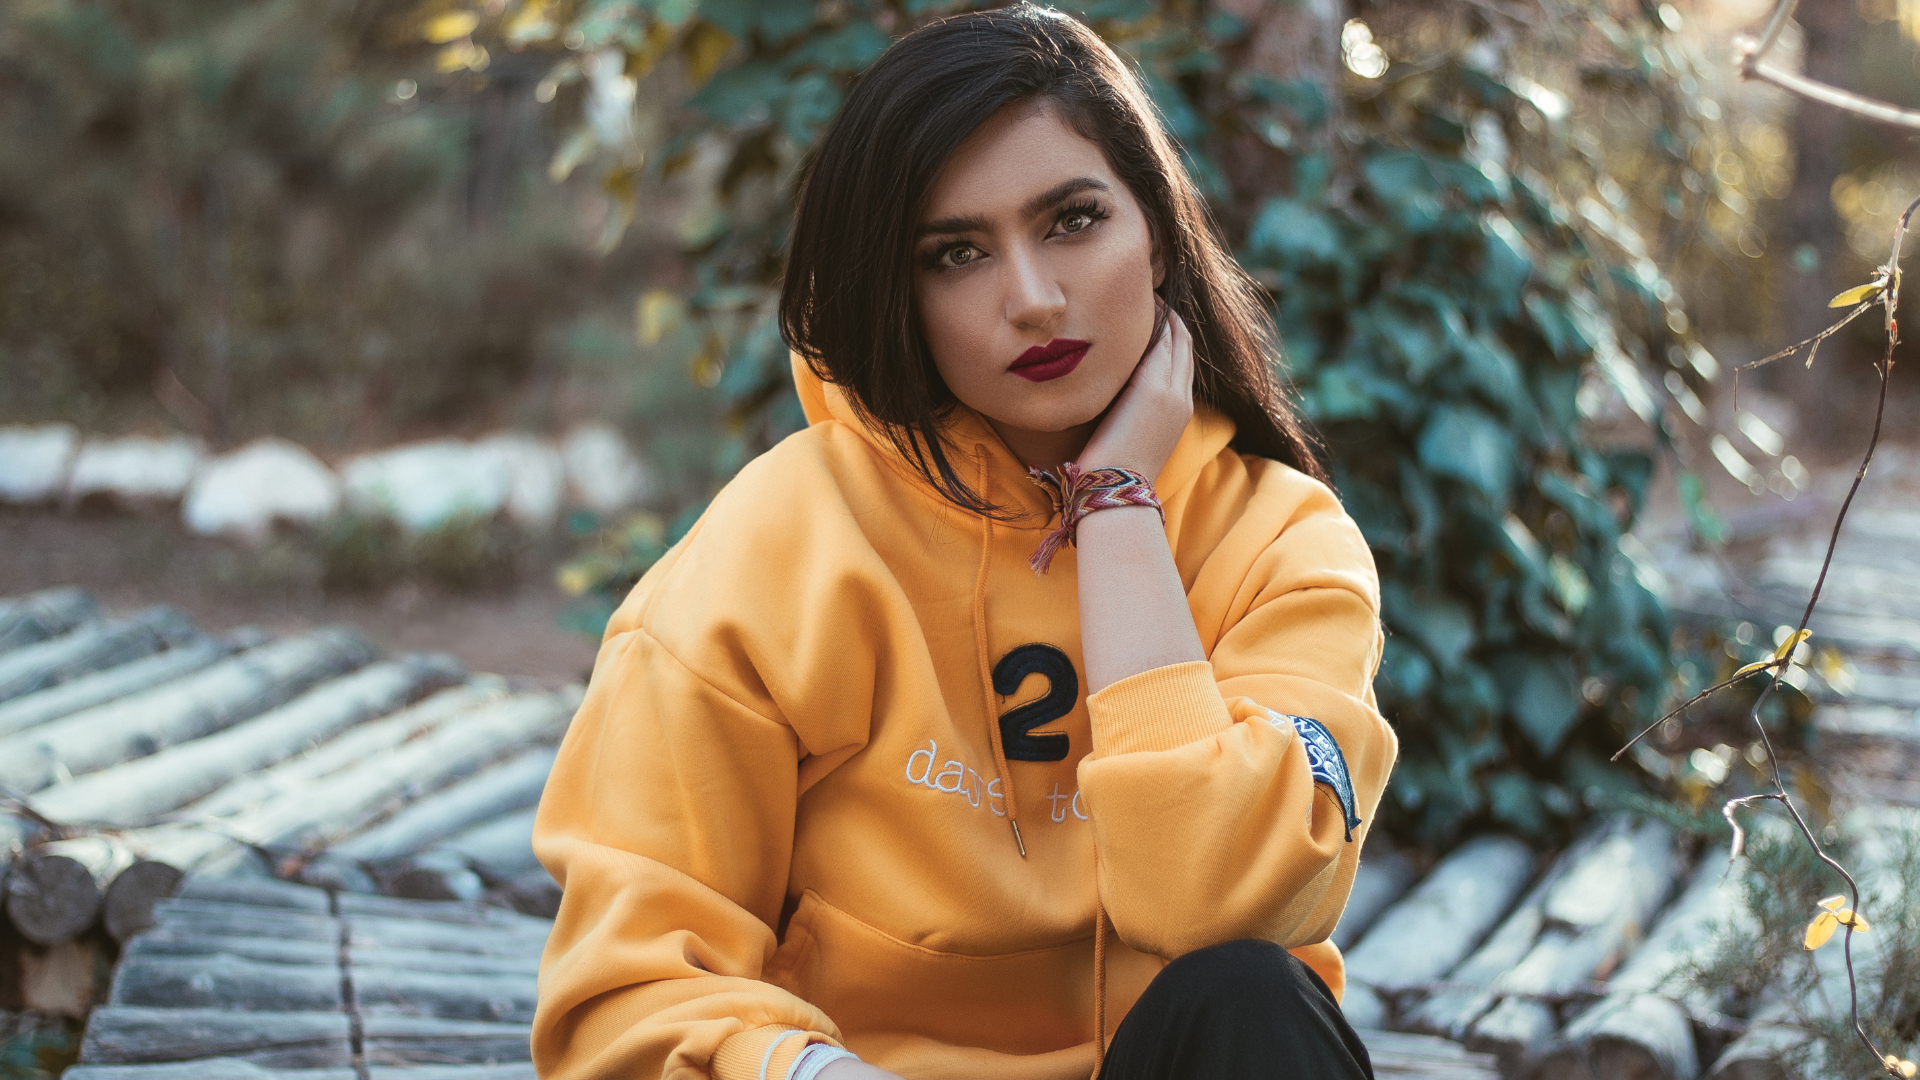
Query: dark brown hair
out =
(848, 302)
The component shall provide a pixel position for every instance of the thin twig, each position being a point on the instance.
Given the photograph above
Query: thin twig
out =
(1753, 65)
(1890, 298)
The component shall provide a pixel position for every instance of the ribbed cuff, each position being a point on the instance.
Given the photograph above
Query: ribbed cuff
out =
(1158, 710)
(739, 1057)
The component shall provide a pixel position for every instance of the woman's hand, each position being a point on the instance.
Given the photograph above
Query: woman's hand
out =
(849, 1069)
(1145, 421)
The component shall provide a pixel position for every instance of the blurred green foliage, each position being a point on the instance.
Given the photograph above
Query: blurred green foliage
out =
(1467, 301)
(252, 212)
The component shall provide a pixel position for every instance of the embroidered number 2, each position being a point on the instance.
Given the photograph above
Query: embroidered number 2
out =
(1063, 689)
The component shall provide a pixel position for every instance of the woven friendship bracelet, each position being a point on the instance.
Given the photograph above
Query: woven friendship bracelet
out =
(1077, 492)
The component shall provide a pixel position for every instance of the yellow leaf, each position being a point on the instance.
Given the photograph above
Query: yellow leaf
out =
(1757, 665)
(459, 56)
(1786, 647)
(452, 26)
(641, 60)
(1859, 294)
(1900, 1067)
(575, 579)
(1833, 903)
(1821, 929)
(704, 46)
(1849, 917)
(656, 315)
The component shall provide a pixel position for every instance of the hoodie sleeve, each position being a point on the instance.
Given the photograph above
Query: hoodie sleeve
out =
(668, 821)
(1229, 797)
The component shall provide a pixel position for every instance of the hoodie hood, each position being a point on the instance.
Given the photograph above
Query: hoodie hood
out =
(1206, 435)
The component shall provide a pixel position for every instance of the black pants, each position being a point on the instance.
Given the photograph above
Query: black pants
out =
(1238, 1011)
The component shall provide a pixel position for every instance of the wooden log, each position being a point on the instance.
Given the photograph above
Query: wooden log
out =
(435, 876)
(60, 980)
(212, 918)
(502, 848)
(207, 1069)
(466, 996)
(237, 1069)
(200, 704)
(39, 616)
(460, 914)
(111, 684)
(1424, 934)
(227, 982)
(410, 1040)
(1383, 877)
(138, 792)
(1641, 1028)
(510, 1070)
(1426, 1057)
(91, 647)
(118, 1034)
(175, 942)
(533, 893)
(374, 933)
(513, 785)
(127, 907)
(54, 891)
(1593, 915)
(1451, 1010)
(257, 892)
(363, 743)
(440, 961)
(310, 816)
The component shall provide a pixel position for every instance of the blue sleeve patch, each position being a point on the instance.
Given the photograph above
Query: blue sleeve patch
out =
(1324, 760)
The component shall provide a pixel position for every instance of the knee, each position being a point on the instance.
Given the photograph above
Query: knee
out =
(1246, 971)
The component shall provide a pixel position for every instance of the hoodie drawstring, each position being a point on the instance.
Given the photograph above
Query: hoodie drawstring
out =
(1006, 777)
(1099, 973)
(986, 664)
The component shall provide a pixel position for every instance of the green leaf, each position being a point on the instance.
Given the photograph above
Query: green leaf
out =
(1515, 800)
(1288, 231)
(1541, 694)
(1441, 624)
(740, 95)
(810, 104)
(1466, 444)
(848, 49)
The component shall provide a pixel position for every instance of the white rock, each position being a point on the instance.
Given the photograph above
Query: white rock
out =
(428, 484)
(536, 478)
(34, 461)
(605, 474)
(135, 468)
(243, 493)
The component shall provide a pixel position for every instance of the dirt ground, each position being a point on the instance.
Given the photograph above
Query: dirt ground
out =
(131, 560)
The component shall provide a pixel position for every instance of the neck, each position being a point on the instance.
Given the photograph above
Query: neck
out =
(1044, 449)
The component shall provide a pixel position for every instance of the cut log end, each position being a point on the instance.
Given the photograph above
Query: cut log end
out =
(51, 898)
(130, 899)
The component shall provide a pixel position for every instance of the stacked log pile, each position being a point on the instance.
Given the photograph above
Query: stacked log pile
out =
(312, 858)
(137, 751)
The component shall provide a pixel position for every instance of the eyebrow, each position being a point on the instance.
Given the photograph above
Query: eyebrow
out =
(975, 223)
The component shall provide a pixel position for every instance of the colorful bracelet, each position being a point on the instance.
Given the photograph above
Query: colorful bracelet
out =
(1077, 492)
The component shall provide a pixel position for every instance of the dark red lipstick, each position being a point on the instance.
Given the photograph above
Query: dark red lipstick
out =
(1058, 357)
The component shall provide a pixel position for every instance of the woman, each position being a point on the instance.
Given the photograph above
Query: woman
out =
(852, 774)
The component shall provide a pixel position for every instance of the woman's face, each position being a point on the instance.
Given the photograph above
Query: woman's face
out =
(1034, 271)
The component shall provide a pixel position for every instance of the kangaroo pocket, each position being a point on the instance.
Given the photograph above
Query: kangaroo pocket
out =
(877, 987)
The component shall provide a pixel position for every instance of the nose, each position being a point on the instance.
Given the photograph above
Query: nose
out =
(1034, 300)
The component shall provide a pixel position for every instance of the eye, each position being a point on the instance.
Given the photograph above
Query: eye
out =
(959, 255)
(1078, 217)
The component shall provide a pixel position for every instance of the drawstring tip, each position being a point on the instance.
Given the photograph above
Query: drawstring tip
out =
(1017, 842)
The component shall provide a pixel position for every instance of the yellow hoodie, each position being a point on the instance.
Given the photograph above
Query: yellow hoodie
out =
(786, 800)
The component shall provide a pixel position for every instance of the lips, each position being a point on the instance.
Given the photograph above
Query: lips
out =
(1056, 358)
